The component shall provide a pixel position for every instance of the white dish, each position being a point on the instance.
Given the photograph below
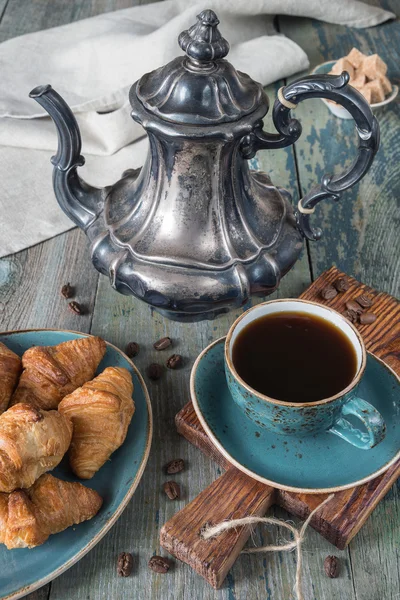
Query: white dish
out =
(337, 109)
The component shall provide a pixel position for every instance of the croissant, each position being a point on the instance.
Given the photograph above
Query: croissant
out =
(10, 368)
(28, 517)
(100, 411)
(32, 441)
(52, 372)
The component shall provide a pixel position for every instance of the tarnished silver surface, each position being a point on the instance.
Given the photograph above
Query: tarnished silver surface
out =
(196, 232)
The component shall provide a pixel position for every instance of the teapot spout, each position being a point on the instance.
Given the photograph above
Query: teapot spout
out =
(81, 202)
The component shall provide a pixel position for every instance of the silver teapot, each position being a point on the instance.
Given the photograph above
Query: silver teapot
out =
(196, 232)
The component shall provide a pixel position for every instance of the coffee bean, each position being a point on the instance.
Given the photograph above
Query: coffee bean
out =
(331, 566)
(163, 343)
(67, 291)
(154, 371)
(175, 466)
(351, 315)
(132, 349)
(172, 489)
(175, 361)
(367, 318)
(364, 301)
(125, 564)
(76, 308)
(352, 305)
(328, 292)
(159, 564)
(341, 284)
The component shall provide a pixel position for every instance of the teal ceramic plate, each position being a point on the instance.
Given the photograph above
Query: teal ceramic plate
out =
(22, 571)
(314, 464)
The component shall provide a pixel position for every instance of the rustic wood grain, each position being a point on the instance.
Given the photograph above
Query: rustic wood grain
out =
(189, 426)
(382, 337)
(342, 518)
(31, 281)
(233, 496)
(3, 5)
(360, 235)
(121, 319)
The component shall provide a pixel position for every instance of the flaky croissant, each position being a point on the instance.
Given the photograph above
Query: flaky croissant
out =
(32, 441)
(100, 411)
(52, 372)
(28, 517)
(10, 368)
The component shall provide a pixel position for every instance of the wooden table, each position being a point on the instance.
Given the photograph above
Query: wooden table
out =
(361, 236)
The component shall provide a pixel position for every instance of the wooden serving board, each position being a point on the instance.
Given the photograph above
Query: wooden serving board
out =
(235, 495)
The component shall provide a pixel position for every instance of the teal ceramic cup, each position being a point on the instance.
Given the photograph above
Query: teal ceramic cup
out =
(300, 419)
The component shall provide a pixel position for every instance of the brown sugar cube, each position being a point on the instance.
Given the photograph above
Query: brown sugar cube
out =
(373, 66)
(385, 83)
(355, 58)
(358, 81)
(377, 93)
(342, 65)
(366, 92)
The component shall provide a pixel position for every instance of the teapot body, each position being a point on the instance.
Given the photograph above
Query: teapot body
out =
(196, 232)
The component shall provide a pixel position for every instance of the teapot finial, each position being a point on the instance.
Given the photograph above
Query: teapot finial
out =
(203, 42)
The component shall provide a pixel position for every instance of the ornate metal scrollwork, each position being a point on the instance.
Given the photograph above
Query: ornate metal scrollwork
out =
(334, 88)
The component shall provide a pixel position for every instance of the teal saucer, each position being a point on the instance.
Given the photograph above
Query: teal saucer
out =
(21, 570)
(317, 463)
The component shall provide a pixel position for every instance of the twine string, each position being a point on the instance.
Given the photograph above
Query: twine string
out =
(283, 100)
(305, 211)
(298, 538)
(290, 105)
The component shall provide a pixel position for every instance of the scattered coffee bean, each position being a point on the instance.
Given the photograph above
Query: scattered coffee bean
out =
(75, 307)
(331, 566)
(125, 564)
(341, 284)
(159, 564)
(354, 306)
(175, 361)
(175, 466)
(67, 291)
(351, 315)
(165, 342)
(172, 489)
(328, 292)
(154, 371)
(132, 349)
(367, 318)
(364, 301)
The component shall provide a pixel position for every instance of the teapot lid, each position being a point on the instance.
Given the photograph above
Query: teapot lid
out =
(200, 88)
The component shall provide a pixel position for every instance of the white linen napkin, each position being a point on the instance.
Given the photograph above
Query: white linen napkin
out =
(93, 62)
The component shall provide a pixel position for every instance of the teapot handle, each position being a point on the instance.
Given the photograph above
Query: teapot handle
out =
(334, 88)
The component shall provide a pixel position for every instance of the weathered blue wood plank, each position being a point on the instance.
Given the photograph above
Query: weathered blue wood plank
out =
(361, 236)
(32, 280)
(121, 319)
(361, 232)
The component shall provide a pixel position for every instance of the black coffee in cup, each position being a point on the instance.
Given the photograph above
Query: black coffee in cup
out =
(294, 357)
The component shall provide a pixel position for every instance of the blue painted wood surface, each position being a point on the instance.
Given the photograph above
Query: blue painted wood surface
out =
(360, 236)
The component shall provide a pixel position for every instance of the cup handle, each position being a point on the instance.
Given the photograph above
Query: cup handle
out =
(370, 417)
